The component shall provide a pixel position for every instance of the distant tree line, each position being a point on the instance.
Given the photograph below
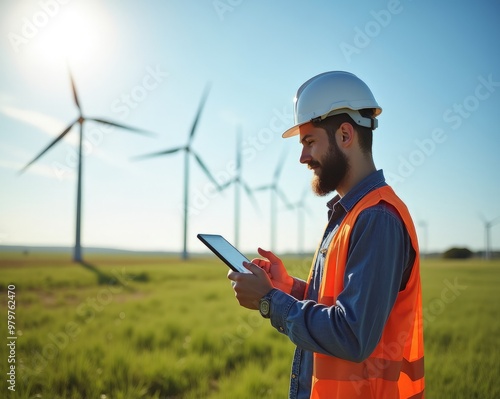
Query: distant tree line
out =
(458, 253)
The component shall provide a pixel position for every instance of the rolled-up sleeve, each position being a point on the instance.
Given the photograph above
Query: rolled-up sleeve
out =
(298, 288)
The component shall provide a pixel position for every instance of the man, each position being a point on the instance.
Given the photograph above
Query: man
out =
(357, 320)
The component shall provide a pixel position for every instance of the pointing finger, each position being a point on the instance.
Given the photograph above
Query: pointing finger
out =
(269, 255)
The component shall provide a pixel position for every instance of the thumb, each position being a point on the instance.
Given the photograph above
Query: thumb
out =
(253, 268)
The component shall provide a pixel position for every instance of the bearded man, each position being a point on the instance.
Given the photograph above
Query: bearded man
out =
(357, 320)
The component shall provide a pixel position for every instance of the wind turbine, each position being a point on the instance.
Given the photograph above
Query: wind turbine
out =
(188, 150)
(488, 224)
(238, 182)
(423, 224)
(275, 192)
(301, 208)
(77, 254)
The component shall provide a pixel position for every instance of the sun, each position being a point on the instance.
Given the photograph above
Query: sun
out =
(76, 34)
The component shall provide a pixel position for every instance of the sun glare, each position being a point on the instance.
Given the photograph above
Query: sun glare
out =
(76, 34)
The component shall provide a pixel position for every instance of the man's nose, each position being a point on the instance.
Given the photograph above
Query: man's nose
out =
(305, 156)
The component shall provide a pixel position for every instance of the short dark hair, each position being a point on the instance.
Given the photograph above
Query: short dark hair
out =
(365, 134)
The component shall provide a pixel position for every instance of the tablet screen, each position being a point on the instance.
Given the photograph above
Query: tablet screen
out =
(225, 251)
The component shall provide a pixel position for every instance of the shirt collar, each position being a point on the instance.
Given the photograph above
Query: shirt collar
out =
(369, 183)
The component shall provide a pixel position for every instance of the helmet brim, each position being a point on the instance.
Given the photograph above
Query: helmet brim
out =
(293, 131)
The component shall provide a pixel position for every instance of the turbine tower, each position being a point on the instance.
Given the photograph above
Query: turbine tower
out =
(238, 183)
(275, 192)
(188, 150)
(488, 224)
(301, 208)
(77, 253)
(425, 227)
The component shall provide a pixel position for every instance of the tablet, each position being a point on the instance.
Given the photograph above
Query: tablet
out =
(225, 251)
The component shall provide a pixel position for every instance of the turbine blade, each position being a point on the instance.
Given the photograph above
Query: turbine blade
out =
(157, 154)
(73, 88)
(250, 195)
(291, 207)
(262, 188)
(247, 189)
(279, 167)
(304, 194)
(130, 128)
(283, 197)
(226, 185)
(205, 169)
(65, 131)
(198, 113)
(494, 221)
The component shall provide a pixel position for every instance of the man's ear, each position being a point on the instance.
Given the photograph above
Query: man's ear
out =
(346, 134)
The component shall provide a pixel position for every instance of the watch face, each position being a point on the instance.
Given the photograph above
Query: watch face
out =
(264, 307)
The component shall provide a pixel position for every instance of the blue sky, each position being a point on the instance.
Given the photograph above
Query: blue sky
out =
(434, 67)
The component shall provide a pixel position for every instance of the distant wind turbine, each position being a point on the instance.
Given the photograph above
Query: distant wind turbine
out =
(423, 224)
(188, 150)
(488, 224)
(275, 192)
(77, 254)
(301, 208)
(238, 182)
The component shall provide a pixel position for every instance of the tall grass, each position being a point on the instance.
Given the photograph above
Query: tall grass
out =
(150, 327)
(462, 328)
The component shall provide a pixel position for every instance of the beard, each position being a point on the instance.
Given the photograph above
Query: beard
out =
(333, 168)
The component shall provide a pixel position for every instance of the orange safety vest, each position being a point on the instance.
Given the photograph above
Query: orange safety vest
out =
(395, 369)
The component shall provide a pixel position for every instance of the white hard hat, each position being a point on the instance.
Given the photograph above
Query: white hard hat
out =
(332, 93)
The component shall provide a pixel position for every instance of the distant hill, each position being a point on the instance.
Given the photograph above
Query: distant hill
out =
(114, 251)
(87, 250)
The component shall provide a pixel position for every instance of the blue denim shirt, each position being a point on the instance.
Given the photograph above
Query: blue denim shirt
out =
(378, 265)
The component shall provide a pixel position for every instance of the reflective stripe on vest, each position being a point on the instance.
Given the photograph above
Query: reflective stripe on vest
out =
(337, 369)
(395, 369)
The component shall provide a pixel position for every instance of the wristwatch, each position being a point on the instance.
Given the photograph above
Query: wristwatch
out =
(265, 305)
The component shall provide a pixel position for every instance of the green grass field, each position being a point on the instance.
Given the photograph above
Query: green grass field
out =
(152, 327)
